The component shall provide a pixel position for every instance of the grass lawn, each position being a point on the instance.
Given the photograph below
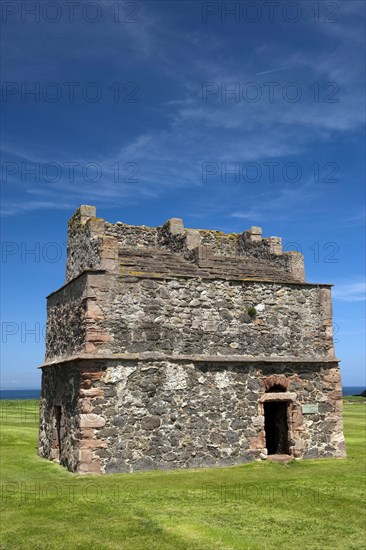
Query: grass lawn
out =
(308, 505)
(354, 399)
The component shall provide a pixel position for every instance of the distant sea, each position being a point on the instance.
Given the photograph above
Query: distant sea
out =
(35, 394)
(20, 394)
(353, 390)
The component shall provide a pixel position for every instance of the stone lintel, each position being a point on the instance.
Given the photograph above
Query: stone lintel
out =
(151, 356)
(278, 396)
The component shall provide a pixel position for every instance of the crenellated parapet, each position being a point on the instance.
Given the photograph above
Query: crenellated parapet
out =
(172, 250)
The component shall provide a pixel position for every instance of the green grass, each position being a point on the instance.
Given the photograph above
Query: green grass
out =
(354, 399)
(308, 505)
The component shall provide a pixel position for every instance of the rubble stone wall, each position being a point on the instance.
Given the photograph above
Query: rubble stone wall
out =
(192, 316)
(66, 328)
(60, 388)
(141, 415)
(83, 247)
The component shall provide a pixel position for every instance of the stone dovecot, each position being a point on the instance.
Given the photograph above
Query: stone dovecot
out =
(170, 347)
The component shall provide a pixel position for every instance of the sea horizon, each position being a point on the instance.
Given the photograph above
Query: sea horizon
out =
(36, 393)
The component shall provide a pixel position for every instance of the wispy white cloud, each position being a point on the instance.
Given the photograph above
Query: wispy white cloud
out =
(350, 292)
(271, 71)
(13, 208)
(355, 219)
(281, 205)
(170, 154)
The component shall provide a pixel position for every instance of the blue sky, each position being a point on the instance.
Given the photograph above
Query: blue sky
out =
(182, 109)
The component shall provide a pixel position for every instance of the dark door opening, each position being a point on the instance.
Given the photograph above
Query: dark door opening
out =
(58, 416)
(275, 425)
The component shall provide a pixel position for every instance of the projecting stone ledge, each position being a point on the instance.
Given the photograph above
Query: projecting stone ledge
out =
(157, 356)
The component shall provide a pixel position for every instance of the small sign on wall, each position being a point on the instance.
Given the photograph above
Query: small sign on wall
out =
(309, 409)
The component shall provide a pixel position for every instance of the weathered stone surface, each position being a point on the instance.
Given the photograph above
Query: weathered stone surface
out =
(202, 409)
(278, 396)
(85, 455)
(153, 361)
(91, 420)
(93, 444)
(92, 467)
(150, 422)
(213, 320)
(91, 392)
(86, 433)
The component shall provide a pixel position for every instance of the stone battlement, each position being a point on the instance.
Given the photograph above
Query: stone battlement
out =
(172, 250)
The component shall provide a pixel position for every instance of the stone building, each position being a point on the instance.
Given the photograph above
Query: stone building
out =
(170, 347)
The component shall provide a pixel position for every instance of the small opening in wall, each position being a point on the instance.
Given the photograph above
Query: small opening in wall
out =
(58, 417)
(276, 428)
